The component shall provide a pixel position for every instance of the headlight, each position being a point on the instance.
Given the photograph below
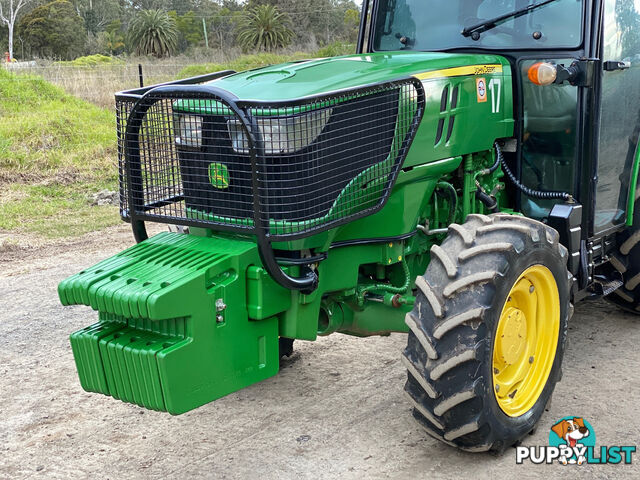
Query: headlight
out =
(282, 135)
(188, 130)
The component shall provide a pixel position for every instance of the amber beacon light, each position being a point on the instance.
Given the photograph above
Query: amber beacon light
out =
(543, 73)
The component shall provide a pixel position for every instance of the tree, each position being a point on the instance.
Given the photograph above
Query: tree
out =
(97, 13)
(264, 28)
(153, 32)
(223, 23)
(315, 21)
(53, 30)
(189, 29)
(9, 10)
(113, 42)
(351, 24)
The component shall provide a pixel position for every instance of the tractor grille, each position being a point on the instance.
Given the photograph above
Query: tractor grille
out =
(195, 156)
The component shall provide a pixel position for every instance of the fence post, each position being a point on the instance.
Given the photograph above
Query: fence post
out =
(204, 28)
(140, 75)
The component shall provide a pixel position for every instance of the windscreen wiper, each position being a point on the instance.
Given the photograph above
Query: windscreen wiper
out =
(494, 22)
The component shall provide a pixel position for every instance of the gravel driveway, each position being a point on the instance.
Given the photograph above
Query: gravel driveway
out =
(336, 409)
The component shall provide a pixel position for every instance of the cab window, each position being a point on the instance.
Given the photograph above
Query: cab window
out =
(437, 24)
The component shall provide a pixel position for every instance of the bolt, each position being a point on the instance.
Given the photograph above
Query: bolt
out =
(531, 359)
(531, 289)
(497, 388)
(220, 305)
(496, 371)
(397, 301)
(400, 258)
(219, 318)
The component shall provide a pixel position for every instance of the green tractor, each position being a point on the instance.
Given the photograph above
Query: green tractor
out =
(492, 144)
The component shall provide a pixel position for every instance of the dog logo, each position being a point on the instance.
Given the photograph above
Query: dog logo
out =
(573, 435)
(572, 441)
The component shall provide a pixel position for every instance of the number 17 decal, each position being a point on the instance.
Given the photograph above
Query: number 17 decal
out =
(495, 87)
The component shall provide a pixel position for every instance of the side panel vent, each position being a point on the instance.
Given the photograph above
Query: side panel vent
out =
(452, 118)
(444, 100)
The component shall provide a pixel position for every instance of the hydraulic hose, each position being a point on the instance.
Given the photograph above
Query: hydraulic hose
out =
(529, 192)
(453, 199)
(486, 199)
(495, 166)
(490, 202)
(385, 287)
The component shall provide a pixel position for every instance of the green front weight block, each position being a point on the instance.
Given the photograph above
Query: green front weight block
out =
(173, 331)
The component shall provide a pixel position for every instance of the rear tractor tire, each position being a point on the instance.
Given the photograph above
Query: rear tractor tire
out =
(627, 261)
(488, 331)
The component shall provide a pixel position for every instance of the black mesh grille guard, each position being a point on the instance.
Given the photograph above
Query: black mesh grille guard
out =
(196, 155)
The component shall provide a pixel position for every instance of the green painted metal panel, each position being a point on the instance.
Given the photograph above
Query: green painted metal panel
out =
(291, 81)
(265, 298)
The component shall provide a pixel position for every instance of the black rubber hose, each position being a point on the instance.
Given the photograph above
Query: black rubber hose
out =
(490, 202)
(526, 190)
(495, 166)
(453, 199)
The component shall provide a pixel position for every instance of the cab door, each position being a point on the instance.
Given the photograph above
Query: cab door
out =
(619, 124)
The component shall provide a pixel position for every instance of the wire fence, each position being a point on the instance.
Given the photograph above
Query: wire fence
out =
(97, 84)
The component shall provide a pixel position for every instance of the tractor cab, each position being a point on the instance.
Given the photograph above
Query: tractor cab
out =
(576, 135)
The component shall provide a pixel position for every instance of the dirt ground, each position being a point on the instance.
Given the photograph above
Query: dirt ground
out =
(336, 409)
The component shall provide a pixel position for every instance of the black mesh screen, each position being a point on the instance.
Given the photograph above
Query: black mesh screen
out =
(123, 109)
(196, 157)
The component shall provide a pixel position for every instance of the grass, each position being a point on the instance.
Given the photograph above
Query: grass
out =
(95, 78)
(55, 151)
(245, 62)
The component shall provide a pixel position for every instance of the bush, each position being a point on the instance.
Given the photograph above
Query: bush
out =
(93, 61)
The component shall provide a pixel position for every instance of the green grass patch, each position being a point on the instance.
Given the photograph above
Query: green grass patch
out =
(55, 210)
(336, 49)
(55, 151)
(96, 60)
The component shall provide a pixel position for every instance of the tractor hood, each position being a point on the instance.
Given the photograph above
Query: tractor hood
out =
(306, 78)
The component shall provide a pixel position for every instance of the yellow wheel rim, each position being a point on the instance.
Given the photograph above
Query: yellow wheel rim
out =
(526, 339)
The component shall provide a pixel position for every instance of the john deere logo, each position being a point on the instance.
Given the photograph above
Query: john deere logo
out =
(219, 175)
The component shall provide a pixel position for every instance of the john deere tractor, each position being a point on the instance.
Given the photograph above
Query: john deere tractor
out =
(466, 177)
